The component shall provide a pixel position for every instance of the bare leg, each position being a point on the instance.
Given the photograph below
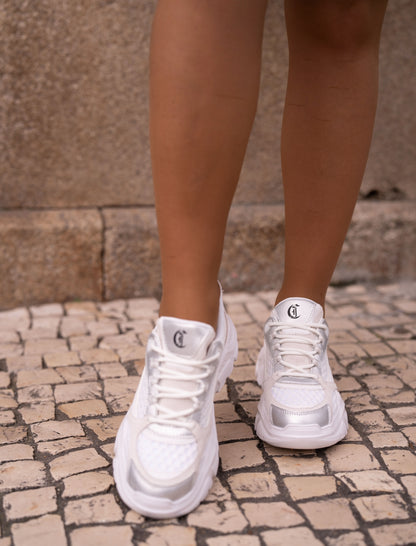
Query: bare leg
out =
(205, 67)
(327, 127)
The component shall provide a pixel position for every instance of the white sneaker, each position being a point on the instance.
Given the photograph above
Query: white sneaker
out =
(166, 450)
(300, 407)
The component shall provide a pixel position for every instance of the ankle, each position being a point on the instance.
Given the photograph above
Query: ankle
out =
(190, 304)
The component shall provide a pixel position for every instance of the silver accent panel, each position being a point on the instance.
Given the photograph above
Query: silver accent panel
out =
(282, 417)
(298, 380)
(173, 492)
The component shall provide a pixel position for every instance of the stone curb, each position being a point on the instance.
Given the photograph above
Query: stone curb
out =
(64, 255)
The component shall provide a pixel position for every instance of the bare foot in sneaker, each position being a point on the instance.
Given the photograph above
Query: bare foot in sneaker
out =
(166, 451)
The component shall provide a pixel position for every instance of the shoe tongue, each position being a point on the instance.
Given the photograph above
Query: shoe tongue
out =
(185, 338)
(190, 340)
(298, 311)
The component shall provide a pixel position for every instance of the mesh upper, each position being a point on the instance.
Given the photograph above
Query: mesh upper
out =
(298, 398)
(162, 459)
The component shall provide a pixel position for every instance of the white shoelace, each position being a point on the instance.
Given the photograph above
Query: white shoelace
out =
(281, 341)
(173, 367)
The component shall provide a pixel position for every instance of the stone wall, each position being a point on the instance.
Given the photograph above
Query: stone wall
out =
(76, 202)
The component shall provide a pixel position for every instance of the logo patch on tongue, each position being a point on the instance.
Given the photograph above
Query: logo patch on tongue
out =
(178, 338)
(293, 311)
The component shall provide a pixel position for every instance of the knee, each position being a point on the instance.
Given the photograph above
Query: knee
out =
(343, 26)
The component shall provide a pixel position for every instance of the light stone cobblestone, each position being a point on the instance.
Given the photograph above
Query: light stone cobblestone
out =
(225, 413)
(410, 484)
(30, 378)
(76, 461)
(171, 535)
(271, 514)
(10, 349)
(4, 380)
(289, 465)
(113, 369)
(410, 432)
(77, 391)
(230, 540)
(46, 310)
(45, 346)
(7, 417)
(381, 507)
(233, 431)
(10, 337)
(9, 435)
(22, 475)
(330, 514)
(87, 483)
(369, 480)
(30, 503)
(104, 535)
(374, 421)
(71, 326)
(400, 461)
(350, 457)
(106, 427)
(77, 374)
(41, 531)
(86, 408)
(295, 536)
(69, 372)
(38, 333)
(39, 411)
(310, 486)
(99, 509)
(388, 439)
(240, 455)
(34, 393)
(119, 392)
(254, 485)
(354, 538)
(15, 452)
(98, 356)
(56, 360)
(225, 519)
(218, 492)
(399, 534)
(53, 430)
(55, 447)
(82, 343)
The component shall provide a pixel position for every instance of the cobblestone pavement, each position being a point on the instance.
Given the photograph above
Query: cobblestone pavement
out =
(68, 373)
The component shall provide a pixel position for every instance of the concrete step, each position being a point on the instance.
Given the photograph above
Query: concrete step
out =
(64, 255)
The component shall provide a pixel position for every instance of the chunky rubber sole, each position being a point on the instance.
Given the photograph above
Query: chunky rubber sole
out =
(304, 436)
(160, 508)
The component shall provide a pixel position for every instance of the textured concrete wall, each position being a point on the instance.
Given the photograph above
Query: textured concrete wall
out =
(73, 136)
(73, 99)
(73, 95)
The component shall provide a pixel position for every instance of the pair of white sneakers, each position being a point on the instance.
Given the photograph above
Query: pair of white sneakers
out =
(166, 451)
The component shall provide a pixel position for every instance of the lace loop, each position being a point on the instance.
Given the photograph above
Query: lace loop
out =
(286, 338)
(173, 367)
